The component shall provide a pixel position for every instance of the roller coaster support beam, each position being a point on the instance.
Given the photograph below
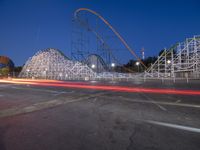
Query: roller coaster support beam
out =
(114, 31)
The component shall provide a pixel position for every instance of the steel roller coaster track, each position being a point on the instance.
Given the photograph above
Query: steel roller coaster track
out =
(113, 30)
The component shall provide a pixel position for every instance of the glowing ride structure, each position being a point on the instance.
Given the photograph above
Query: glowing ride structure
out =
(182, 60)
(53, 64)
(76, 17)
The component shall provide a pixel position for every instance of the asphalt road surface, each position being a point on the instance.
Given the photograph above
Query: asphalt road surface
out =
(34, 117)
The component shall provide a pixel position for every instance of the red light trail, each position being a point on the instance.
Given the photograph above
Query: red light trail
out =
(83, 85)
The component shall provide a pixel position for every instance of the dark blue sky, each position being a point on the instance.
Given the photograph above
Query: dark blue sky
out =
(27, 26)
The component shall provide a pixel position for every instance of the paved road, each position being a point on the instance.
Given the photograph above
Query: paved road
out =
(57, 118)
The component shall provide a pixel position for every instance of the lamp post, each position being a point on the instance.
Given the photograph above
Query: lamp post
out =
(93, 66)
(27, 72)
(45, 73)
(60, 75)
(112, 66)
(137, 64)
(168, 62)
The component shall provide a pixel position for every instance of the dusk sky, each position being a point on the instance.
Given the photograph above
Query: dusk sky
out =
(27, 26)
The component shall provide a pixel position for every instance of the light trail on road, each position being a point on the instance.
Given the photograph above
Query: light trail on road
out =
(83, 85)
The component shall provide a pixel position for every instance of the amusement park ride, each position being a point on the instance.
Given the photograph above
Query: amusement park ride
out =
(95, 56)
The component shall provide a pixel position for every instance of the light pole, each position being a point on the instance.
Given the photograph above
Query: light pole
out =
(93, 66)
(60, 75)
(169, 62)
(46, 73)
(112, 66)
(27, 72)
(137, 64)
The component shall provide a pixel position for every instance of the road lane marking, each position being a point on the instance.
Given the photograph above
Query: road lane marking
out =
(161, 107)
(43, 105)
(141, 101)
(5, 85)
(64, 92)
(175, 126)
(42, 90)
(158, 102)
(178, 101)
(154, 102)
